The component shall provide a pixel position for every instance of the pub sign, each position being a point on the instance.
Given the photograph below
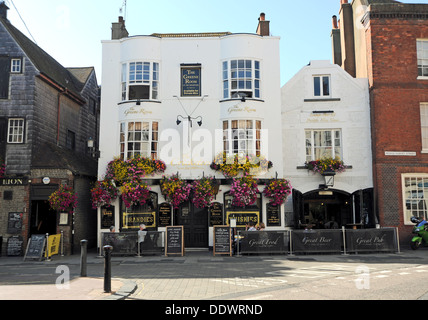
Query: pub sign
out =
(190, 80)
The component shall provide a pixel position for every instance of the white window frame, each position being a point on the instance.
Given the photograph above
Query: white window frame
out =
(414, 193)
(15, 130)
(424, 126)
(128, 136)
(310, 134)
(322, 92)
(242, 79)
(16, 65)
(243, 137)
(422, 58)
(140, 73)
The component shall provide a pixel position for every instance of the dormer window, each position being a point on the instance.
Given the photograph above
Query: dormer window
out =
(322, 86)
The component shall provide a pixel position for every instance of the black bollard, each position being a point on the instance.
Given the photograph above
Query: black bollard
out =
(107, 268)
(83, 257)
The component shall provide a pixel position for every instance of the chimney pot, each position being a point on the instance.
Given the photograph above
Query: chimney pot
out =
(263, 27)
(335, 25)
(3, 10)
(262, 16)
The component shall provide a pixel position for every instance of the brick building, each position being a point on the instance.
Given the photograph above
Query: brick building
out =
(387, 42)
(47, 115)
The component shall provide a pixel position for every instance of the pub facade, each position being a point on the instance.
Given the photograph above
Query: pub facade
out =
(327, 149)
(190, 132)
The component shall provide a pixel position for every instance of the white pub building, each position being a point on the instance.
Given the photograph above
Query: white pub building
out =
(181, 102)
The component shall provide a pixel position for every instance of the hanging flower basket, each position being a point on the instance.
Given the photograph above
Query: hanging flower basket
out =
(277, 190)
(64, 199)
(134, 193)
(103, 193)
(2, 168)
(231, 165)
(326, 164)
(204, 191)
(244, 191)
(175, 190)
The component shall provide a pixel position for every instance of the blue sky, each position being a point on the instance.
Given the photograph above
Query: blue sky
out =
(72, 30)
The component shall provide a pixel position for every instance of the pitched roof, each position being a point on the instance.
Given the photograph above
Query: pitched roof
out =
(46, 65)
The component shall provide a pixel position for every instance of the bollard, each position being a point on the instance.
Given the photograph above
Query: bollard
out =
(83, 257)
(107, 268)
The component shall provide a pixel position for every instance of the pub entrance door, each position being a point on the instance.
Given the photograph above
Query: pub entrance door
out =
(195, 223)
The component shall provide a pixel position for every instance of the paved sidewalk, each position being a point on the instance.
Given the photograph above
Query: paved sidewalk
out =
(35, 280)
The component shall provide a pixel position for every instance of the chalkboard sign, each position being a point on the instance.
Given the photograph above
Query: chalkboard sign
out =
(35, 247)
(222, 240)
(174, 243)
(14, 222)
(14, 246)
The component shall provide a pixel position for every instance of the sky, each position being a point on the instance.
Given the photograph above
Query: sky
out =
(71, 31)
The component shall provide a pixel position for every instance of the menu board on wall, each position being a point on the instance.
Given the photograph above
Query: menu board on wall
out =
(216, 214)
(165, 213)
(273, 214)
(107, 217)
(14, 222)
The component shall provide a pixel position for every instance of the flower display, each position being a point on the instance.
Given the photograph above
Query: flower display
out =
(244, 191)
(231, 165)
(2, 168)
(121, 171)
(64, 199)
(175, 190)
(204, 191)
(322, 165)
(277, 190)
(134, 193)
(103, 193)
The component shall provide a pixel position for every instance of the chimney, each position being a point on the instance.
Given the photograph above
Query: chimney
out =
(3, 10)
(336, 42)
(335, 25)
(118, 30)
(263, 27)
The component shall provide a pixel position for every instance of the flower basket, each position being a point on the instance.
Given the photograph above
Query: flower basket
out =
(326, 164)
(103, 193)
(244, 191)
(64, 199)
(231, 165)
(175, 190)
(134, 193)
(277, 190)
(2, 168)
(204, 191)
(121, 171)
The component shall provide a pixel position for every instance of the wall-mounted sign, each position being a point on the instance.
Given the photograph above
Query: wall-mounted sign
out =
(273, 214)
(14, 181)
(165, 212)
(107, 217)
(400, 153)
(191, 81)
(132, 221)
(243, 217)
(216, 214)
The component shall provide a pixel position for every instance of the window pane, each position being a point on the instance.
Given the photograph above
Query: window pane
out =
(317, 86)
(326, 86)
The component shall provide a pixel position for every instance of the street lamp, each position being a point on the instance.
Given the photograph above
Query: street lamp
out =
(329, 177)
(190, 120)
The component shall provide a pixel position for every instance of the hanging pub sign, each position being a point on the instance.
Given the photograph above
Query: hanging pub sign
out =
(243, 217)
(273, 215)
(165, 212)
(216, 214)
(132, 220)
(191, 80)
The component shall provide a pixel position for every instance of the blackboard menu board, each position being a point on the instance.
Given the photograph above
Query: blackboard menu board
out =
(216, 214)
(222, 240)
(165, 212)
(35, 247)
(14, 246)
(174, 243)
(14, 222)
(273, 214)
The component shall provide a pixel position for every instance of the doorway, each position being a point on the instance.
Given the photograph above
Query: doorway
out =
(43, 219)
(195, 224)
